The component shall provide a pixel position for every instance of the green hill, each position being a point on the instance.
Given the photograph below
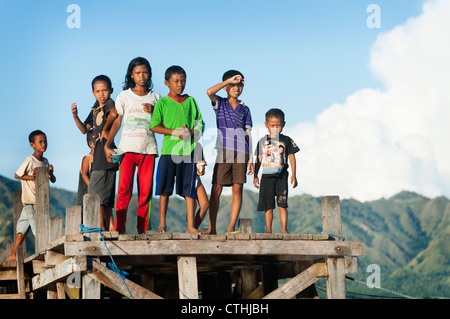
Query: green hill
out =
(406, 235)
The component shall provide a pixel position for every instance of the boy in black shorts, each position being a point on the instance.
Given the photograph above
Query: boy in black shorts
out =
(272, 153)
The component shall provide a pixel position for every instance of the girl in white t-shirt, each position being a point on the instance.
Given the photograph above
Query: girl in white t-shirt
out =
(134, 106)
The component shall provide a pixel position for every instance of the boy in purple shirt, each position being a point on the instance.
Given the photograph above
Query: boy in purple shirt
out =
(234, 122)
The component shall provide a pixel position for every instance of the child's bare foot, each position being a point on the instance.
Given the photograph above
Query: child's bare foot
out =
(208, 231)
(161, 229)
(192, 230)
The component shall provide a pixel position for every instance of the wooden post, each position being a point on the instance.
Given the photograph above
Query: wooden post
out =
(91, 289)
(249, 281)
(187, 277)
(73, 220)
(55, 228)
(245, 225)
(42, 208)
(21, 251)
(91, 214)
(331, 220)
(331, 215)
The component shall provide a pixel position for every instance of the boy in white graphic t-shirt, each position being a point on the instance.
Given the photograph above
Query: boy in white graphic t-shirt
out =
(27, 174)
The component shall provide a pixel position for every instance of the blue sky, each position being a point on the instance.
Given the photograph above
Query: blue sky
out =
(302, 56)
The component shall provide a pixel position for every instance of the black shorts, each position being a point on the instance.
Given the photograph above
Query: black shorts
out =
(268, 189)
(103, 183)
(176, 166)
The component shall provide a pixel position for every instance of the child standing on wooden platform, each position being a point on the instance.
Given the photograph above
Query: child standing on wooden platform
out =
(27, 174)
(178, 117)
(272, 153)
(100, 119)
(134, 107)
(233, 145)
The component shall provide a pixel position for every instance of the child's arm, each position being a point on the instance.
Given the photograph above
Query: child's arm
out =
(50, 173)
(26, 177)
(182, 133)
(85, 169)
(112, 115)
(81, 126)
(255, 175)
(250, 154)
(216, 88)
(115, 127)
(294, 169)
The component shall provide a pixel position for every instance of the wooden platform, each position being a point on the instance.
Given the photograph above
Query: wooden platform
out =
(244, 265)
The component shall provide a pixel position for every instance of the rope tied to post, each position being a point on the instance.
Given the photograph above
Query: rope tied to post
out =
(333, 234)
(112, 265)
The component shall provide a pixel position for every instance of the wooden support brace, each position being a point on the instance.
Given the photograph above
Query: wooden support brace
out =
(299, 282)
(110, 279)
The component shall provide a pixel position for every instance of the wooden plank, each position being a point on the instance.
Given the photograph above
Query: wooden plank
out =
(228, 247)
(331, 215)
(91, 287)
(91, 215)
(331, 221)
(20, 273)
(336, 283)
(55, 228)
(245, 225)
(267, 236)
(59, 272)
(42, 208)
(299, 282)
(187, 277)
(249, 281)
(112, 280)
(10, 296)
(52, 258)
(73, 220)
(10, 274)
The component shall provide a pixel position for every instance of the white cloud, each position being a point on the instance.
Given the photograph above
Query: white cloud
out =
(380, 142)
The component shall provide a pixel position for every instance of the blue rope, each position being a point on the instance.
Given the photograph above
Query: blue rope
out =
(333, 234)
(112, 265)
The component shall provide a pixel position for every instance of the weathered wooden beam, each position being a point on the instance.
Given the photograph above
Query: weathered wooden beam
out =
(331, 221)
(73, 220)
(229, 247)
(20, 253)
(299, 282)
(187, 277)
(42, 208)
(331, 216)
(52, 258)
(10, 274)
(59, 272)
(112, 280)
(336, 284)
(91, 214)
(55, 228)
(91, 287)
